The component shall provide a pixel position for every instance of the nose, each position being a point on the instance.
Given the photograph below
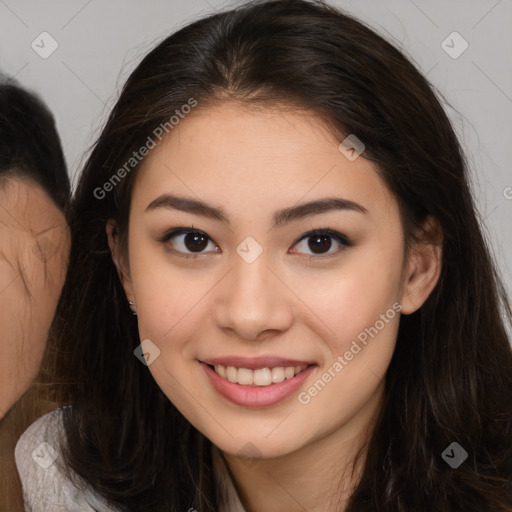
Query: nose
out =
(252, 300)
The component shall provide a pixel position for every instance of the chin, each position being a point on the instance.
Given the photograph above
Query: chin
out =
(258, 447)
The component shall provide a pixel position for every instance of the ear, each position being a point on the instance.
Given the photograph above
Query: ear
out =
(119, 261)
(423, 267)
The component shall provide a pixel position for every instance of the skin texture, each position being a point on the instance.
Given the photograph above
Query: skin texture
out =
(34, 250)
(253, 163)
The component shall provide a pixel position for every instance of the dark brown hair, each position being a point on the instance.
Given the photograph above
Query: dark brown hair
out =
(30, 145)
(450, 378)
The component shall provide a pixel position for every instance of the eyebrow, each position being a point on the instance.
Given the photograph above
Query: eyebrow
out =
(281, 217)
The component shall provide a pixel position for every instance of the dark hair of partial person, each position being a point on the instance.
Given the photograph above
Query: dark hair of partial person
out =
(30, 145)
(450, 377)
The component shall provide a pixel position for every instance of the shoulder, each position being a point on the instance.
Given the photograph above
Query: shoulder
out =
(39, 446)
(46, 486)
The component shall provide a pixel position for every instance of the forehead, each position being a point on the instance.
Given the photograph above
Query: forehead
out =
(23, 195)
(26, 208)
(248, 158)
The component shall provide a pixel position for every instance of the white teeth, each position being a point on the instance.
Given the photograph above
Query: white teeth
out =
(277, 374)
(231, 373)
(244, 376)
(260, 377)
(289, 372)
(221, 370)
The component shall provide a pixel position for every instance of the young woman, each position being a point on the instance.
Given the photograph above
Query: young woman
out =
(279, 295)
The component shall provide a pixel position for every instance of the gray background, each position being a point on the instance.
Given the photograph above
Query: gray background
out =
(100, 42)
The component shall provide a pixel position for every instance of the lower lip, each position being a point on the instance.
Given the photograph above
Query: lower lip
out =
(256, 396)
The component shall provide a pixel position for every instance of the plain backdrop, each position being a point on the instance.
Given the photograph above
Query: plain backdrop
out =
(98, 43)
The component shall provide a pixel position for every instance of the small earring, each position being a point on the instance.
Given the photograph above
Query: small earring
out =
(131, 304)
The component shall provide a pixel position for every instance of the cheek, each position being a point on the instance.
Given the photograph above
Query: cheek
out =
(169, 299)
(169, 311)
(352, 298)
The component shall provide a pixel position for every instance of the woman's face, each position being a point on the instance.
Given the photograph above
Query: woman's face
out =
(33, 257)
(256, 294)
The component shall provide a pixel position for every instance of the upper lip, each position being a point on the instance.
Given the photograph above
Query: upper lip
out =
(253, 363)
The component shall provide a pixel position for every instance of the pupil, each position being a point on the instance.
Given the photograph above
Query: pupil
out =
(319, 242)
(196, 240)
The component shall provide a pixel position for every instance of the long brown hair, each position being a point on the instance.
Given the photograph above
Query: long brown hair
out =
(450, 378)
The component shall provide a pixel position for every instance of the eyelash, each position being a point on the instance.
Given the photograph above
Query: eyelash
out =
(340, 238)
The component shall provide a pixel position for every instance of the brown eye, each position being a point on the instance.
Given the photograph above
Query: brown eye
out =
(320, 242)
(195, 242)
(187, 241)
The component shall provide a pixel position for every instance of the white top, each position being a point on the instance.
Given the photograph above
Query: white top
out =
(46, 488)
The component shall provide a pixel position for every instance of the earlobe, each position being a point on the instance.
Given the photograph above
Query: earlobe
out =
(424, 268)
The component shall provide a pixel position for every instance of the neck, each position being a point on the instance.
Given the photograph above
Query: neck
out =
(318, 477)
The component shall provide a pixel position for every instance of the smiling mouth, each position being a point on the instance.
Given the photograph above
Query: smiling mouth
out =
(259, 377)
